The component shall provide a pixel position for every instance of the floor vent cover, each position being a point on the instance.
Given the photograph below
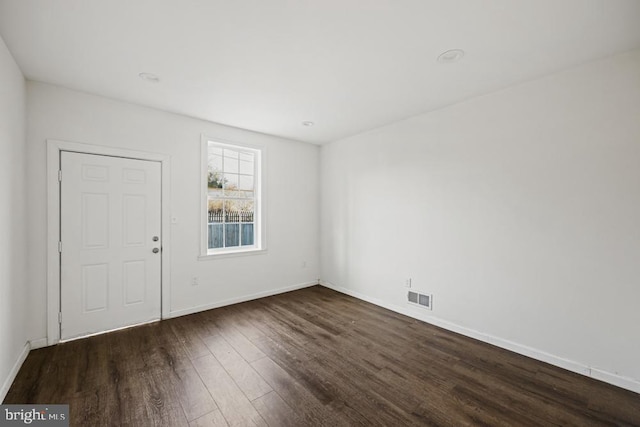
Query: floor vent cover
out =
(420, 299)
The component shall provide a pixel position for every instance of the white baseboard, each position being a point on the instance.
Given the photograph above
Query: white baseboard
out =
(14, 371)
(230, 301)
(39, 343)
(614, 379)
(570, 365)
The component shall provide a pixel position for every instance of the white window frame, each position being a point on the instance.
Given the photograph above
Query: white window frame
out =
(259, 219)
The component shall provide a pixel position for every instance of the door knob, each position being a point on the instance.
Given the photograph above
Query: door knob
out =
(156, 250)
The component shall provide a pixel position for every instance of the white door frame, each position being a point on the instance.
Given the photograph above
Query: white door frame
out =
(54, 147)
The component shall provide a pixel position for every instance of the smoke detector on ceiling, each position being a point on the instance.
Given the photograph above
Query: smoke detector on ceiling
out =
(450, 56)
(150, 77)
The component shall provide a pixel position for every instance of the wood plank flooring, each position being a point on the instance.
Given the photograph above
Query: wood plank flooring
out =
(312, 357)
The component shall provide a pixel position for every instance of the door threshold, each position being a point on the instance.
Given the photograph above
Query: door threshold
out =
(109, 330)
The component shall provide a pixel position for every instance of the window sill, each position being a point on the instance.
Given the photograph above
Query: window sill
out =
(231, 254)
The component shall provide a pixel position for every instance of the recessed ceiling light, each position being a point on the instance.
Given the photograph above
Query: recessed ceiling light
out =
(453, 55)
(152, 78)
(307, 123)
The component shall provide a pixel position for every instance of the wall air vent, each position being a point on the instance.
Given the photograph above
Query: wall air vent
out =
(420, 299)
(412, 297)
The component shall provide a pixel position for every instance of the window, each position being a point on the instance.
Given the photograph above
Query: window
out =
(232, 210)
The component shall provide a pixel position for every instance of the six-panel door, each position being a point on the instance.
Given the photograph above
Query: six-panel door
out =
(110, 210)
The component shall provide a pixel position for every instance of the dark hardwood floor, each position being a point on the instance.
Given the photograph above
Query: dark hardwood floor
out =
(310, 357)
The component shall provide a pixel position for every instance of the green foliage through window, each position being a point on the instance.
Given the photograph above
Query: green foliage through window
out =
(215, 180)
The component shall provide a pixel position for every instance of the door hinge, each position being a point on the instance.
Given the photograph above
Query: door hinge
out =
(60, 247)
(60, 317)
(59, 176)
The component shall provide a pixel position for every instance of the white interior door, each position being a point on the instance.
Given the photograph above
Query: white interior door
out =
(110, 223)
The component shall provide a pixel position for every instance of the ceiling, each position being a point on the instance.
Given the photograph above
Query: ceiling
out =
(268, 65)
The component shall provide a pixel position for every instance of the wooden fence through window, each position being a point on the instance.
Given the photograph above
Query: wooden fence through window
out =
(236, 229)
(230, 216)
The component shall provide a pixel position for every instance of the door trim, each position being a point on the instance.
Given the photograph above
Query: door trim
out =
(54, 147)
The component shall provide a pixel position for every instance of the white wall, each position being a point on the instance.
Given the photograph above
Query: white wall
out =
(292, 196)
(13, 231)
(518, 210)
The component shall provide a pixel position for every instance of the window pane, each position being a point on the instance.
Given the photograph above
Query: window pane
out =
(246, 157)
(232, 235)
(230, 165)
(215, 211)
(214, 172)
(246, 163)
(245, 182)
(214, 150)
(215, 163)
(230, 181)
(232, 216)
(247, 234)
(214, 193)
(215, 236)
(231, 211)
(230, 153)
(246, 210)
